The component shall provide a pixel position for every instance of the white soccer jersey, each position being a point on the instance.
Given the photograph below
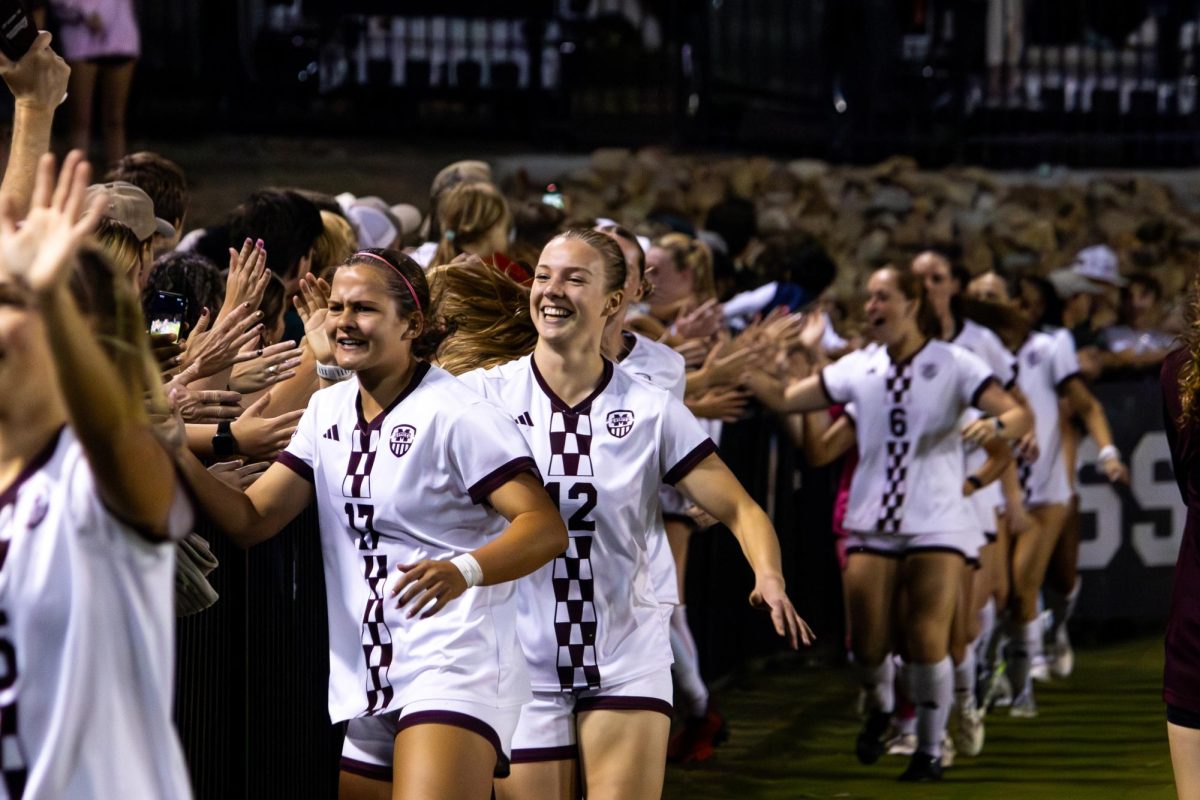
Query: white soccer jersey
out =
(660, 366)
(87, 640)
(656, 363)
(1003, 364)
(1047, 362)
(410, 485)
(910, 469)
(591, 619)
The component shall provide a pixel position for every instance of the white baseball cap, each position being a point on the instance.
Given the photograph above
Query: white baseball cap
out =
(1099, 263)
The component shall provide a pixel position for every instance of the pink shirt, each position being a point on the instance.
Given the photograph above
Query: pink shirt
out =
(119, 35)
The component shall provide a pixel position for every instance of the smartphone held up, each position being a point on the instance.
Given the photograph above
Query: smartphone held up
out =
(167, 312)
(17, 31)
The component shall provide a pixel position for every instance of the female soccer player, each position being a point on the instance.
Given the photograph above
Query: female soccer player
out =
(89, 506)
(663, 367)
(1048, 371)
(411, 473)
(911, 527)
(976, 613)
(591, 626)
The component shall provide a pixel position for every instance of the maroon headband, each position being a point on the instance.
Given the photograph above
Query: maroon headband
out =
(383, 260)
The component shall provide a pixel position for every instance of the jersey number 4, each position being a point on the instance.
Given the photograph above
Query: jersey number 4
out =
(578, 521)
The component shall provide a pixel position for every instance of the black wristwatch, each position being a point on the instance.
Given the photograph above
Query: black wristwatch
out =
(223, 444)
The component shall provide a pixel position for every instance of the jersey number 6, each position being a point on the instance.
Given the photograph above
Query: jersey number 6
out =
(897, 422)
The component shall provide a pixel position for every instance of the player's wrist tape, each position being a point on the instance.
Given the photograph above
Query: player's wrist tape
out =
(471, 571)
(1109, 451)
(975, 481)
(328, 372)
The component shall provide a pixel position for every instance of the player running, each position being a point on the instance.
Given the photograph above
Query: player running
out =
(415, 478)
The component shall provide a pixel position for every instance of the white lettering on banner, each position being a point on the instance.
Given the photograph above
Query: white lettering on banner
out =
(1104, 513)
(1104, 506)
(1155, 550)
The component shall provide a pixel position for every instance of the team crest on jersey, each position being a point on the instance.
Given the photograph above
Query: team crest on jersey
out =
(41, 506)
(928, 371)
(1033, 357)
(620, 422)
(401, 439)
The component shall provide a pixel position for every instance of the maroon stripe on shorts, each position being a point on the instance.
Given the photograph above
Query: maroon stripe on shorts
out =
(529, 755)
(454, 718)
(623, 704)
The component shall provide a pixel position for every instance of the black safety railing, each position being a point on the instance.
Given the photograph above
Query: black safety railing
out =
(996, 82)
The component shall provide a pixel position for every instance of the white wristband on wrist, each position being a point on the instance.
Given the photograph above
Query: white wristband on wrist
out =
(1109, 451)
(471, 571)
(327, 372)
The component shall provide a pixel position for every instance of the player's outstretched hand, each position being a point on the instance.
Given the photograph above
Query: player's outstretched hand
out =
(312, 304)
(426, 582)
(260, 437)
(1115, 470)
(769, 595)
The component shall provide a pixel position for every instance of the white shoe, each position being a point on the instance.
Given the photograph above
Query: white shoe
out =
(1039, 669)
(948, 751)
(1063, 662)
(966, 727)
(1024, 706)
(901, 744)
(999, 692)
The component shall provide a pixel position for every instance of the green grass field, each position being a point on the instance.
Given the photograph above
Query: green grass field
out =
(1100, 734)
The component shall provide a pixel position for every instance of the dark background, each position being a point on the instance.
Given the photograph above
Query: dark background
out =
(767, 75)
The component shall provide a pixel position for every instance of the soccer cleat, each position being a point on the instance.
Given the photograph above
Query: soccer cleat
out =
(1024, 706)
(901, 744)
(869, 745)
(948, 751)
(922, 767)
(966, 727)
(697, 739)
(1062, 663)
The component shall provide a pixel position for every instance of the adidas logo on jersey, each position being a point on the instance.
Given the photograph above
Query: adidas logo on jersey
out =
(331, 434)
(524, 419)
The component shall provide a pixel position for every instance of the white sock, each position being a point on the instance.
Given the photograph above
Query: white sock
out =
(1024, 648)
(964, 680)
(1061, 606)
(933, 692)
(987, 623)
(999, 640)
(877, 683)
(686, 669)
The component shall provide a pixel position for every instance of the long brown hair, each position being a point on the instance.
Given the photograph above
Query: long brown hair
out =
(491, 313)
(1189, 374)
(912, 286)
(493, 323)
